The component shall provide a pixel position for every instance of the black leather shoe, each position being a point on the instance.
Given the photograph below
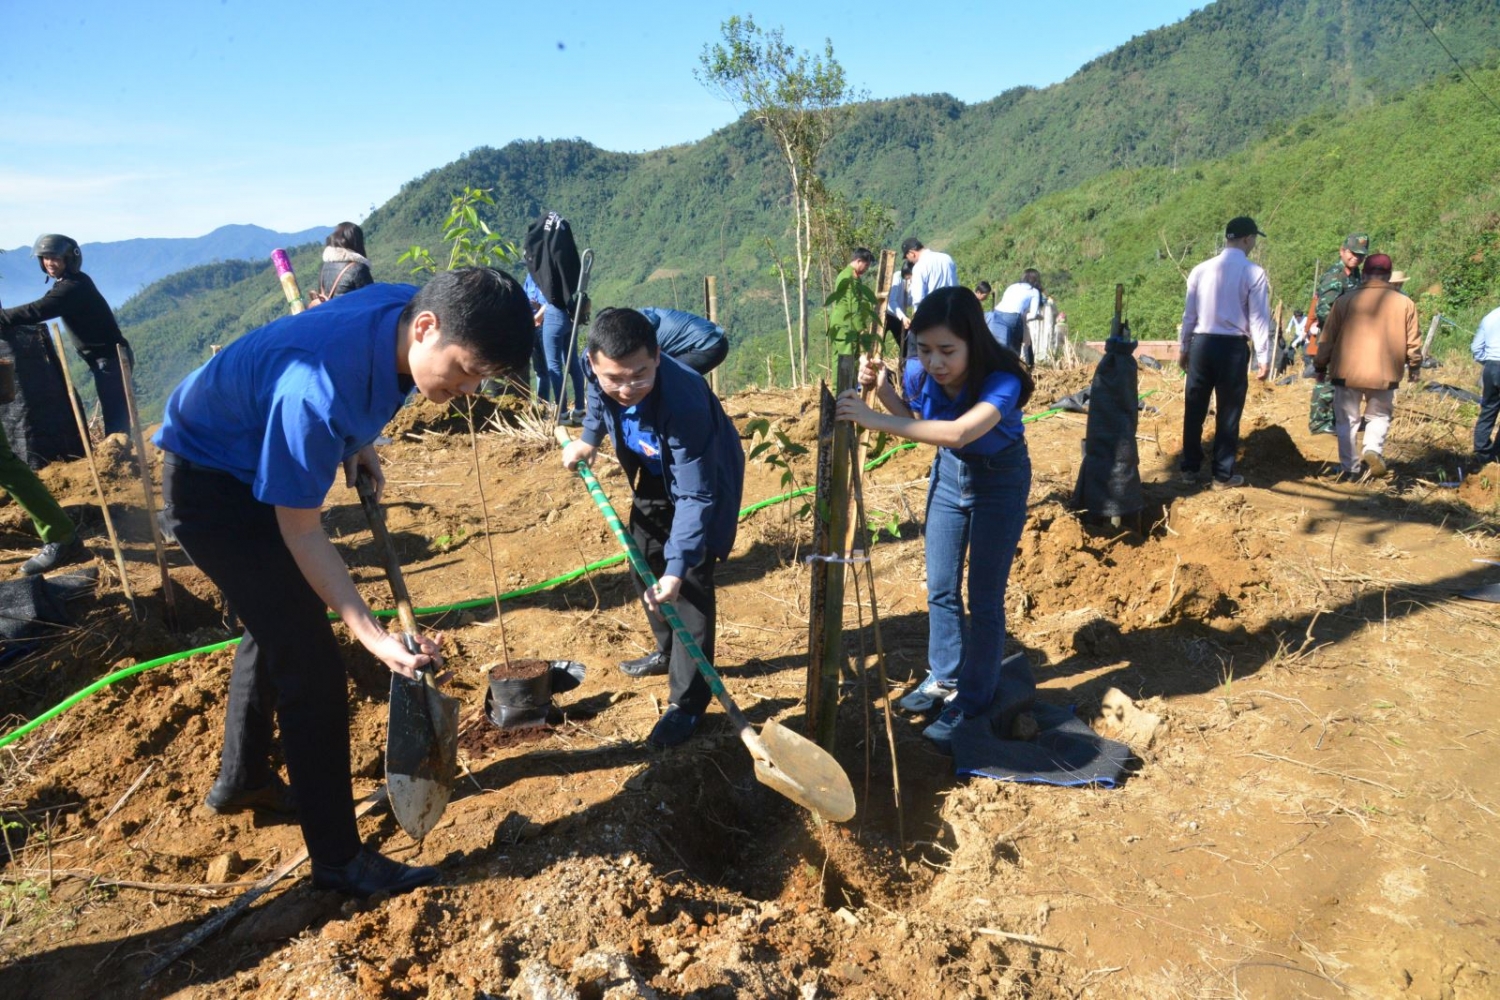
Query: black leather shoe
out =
(371, 872)
(55, 554)
(272, 797)
(674, 728)
(647, 666)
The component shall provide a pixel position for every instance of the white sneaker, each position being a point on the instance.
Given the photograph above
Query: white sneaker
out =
(928, 695)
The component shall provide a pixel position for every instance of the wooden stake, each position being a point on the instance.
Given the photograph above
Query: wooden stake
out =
(1275, 342)
(711, 312)
(1432, 329)
(818, 568)
(168, 594)
(88, 453)
(834, 506)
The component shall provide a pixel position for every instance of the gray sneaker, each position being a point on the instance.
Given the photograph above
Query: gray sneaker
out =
(925, 697)
(55, 554)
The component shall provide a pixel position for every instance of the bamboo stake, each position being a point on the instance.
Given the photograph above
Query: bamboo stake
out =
(885, 684)
(834, 505)
(818, 568)
(711, 311)
(489, 538)
(168, 593)
(88, 453)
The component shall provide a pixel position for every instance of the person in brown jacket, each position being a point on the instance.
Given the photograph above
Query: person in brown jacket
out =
(1369, 337)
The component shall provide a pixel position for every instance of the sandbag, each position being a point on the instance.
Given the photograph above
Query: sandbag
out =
(1109, 480)
(39, 423)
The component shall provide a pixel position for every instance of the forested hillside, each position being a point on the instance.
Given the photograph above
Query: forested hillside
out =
(1276, 75)
(1420, 173)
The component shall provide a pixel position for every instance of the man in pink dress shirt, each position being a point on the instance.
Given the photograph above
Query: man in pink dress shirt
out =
(1227, 312)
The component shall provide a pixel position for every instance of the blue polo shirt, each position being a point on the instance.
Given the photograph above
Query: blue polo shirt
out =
(1000, 389)
(282, 407)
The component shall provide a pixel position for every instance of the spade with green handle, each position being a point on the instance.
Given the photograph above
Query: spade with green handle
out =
(784, 761)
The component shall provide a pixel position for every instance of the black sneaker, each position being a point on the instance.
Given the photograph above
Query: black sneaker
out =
(647, 666)
(55, 554)
(674, 728)
(272, 797)
(371, 872)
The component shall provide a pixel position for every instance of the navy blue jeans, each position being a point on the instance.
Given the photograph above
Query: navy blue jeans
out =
(552, 354)
(1489, 408)
(976, 507)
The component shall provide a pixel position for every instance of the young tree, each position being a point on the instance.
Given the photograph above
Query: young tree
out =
(801, 98)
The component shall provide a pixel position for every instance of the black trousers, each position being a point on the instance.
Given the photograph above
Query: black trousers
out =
(109, 383)
(1217, 365)
(651, 513)
(704, 362)
(287, 668)
(1489, 410)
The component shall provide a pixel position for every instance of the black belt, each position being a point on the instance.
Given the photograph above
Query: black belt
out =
(178, 462)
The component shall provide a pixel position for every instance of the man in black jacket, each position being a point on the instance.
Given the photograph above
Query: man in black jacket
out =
(74, 299)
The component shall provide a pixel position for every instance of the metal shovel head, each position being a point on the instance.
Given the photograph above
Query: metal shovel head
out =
(421, 753)
(804, 772)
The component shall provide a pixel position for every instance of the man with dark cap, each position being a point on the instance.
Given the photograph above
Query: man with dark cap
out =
(1227, 310)
(1370, 336)
(1338, 279)
(90, 322)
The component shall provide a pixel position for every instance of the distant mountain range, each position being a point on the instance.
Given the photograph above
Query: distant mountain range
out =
(123, 268)
(1132, 165)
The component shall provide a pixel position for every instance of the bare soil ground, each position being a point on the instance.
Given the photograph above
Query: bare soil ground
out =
(1316, 817)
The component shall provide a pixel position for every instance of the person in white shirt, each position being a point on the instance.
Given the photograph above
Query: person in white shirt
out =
(898, 305)
(1227, 309)
(1019, 304)
(930, 270)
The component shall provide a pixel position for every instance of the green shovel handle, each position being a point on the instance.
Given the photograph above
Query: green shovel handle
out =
(638, 563)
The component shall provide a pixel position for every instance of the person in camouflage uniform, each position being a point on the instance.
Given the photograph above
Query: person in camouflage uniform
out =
(1338, 279)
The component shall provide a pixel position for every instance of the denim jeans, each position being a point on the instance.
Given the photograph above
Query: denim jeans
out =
(976, 506)
(552, 341)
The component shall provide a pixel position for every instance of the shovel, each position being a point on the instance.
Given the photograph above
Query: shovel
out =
(421, 751)
(785, 761)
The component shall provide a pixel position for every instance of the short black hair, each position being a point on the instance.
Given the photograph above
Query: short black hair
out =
(983, 289)
(483, 310)
(619, 333)
(957, 308)
(348, 236)
(862, 253)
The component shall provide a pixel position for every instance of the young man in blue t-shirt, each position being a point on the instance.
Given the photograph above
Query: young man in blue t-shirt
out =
(253, 440)
(683, 457)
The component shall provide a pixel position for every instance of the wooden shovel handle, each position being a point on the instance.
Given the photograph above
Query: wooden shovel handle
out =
(376, 516)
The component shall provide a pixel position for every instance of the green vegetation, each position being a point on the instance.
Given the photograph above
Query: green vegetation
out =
(1419, 173)
(1311, 101)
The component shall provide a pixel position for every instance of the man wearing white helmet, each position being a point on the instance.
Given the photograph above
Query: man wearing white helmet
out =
(90, 322)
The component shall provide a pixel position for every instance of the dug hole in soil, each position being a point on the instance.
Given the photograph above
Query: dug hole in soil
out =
(1313, 816)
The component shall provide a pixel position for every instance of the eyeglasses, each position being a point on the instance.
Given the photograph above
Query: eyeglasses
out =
(635, 383)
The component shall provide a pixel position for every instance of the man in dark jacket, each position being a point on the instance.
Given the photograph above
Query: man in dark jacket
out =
(74, 299)
(699, 343)
(687, 469)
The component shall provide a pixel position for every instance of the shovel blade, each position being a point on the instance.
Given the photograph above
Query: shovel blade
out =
(421, 756)
(804, 772)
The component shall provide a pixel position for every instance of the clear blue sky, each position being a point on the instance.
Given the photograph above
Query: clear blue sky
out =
(171, 117)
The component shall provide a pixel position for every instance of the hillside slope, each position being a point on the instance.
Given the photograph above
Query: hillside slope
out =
(951, 171)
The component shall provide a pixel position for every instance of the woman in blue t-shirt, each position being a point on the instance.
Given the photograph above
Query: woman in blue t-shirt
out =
(966, 399)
